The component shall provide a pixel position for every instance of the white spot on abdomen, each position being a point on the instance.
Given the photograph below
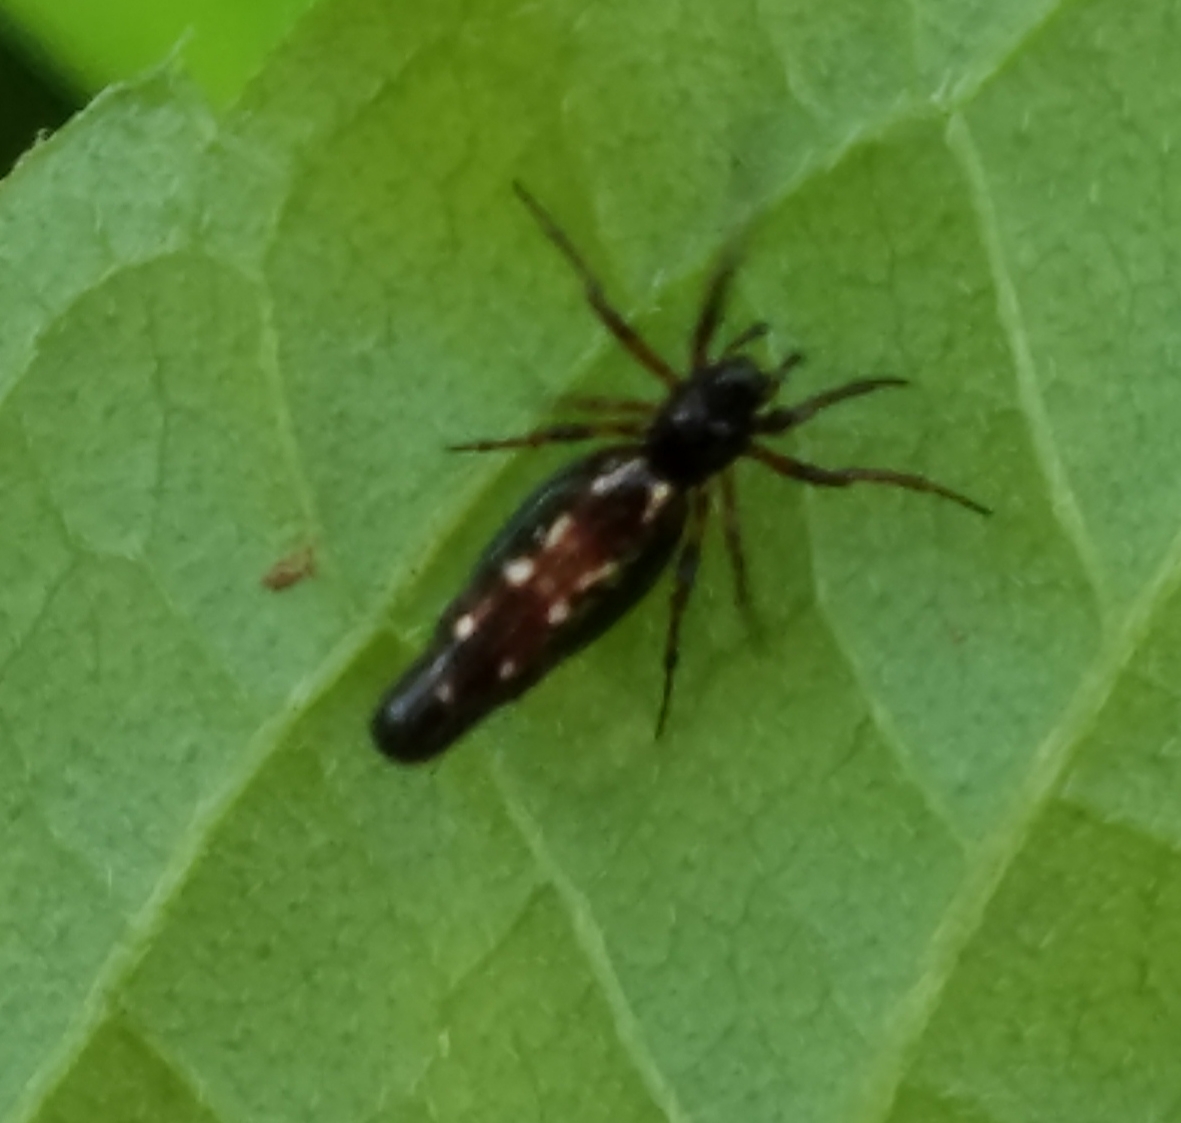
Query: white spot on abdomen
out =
(558, 531)
(592, 577)
(465, 627)
(507, 669)
(610, 481)
(519, 570)
(558, 612)
(658, 495)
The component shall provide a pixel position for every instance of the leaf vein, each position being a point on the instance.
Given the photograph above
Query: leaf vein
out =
(1063, 501)
(589, 936)
(995, 855)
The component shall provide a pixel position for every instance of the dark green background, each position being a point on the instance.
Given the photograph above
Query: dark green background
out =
(56, 54)
(33, 95)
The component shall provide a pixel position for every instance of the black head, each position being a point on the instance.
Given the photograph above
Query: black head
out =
(709, 419)
(735, 388)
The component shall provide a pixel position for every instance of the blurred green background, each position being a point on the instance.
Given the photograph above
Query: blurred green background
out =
(57, 54)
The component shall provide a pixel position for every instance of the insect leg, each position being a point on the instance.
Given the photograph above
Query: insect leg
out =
(591, 404)
(843, 477)
(787, 417)
(790, 361)
(732, 528)
(614, 322)
(744, 338)
(684, 577)
(713, 307)
(554, 434)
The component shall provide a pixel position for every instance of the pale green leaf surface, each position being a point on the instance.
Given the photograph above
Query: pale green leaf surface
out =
(908, 856)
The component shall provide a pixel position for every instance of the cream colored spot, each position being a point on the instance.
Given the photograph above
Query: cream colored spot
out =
(445, 692)
(465, 627)
(519, 570)
(558, 612)
(614, 478)
(590, 579)
(558, 531)
(507, 669)
(658, 495)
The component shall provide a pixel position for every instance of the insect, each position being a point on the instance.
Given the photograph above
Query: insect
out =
(291, 569)
(587, 545)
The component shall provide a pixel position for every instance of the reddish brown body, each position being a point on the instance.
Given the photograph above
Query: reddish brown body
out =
(291, 569)
(579, 552)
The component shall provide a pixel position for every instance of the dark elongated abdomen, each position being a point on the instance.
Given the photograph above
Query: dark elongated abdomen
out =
(577, 554)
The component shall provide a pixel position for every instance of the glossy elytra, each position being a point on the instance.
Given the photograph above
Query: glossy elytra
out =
(591, 540)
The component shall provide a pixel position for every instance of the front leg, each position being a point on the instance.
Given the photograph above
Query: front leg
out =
(782, 418)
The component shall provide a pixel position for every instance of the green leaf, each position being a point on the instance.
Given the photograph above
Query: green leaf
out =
(911, 854)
